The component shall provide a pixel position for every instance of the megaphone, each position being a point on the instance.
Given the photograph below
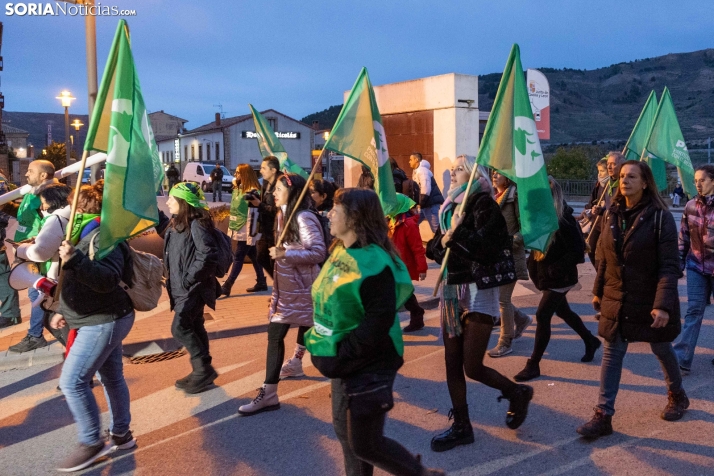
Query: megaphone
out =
(24, 275)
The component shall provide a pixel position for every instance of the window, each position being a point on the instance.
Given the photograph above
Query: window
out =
(218, 155)
(208, 152)
(200, 152)
(171, 156)
(273, 123)
(193, 152)
(185, 152)
(199, 170)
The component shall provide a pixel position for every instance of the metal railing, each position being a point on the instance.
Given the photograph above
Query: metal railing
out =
(583, 188)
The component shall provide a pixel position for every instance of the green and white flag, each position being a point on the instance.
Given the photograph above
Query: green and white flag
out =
(120, 127)
(269, 144)
(510, 145)
(359, 134)
(665, 141)
(636, 143)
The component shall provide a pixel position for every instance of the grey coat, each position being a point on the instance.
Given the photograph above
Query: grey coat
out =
(291, 302)
(510, 212)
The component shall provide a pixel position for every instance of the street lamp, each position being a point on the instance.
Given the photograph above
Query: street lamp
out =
(66, 99)
(76, 124)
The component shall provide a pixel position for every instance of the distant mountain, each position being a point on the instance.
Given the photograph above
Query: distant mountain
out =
(35, 123)
(603, 104)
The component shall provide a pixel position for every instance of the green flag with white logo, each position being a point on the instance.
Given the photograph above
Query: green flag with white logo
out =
(665, 141)
(510, 145)
(636, 143)
(269, 144)
(120, 127)
(358, 133)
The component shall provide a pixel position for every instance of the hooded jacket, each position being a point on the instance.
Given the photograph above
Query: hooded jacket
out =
(430, 193)
(696, 236)
(47, 242)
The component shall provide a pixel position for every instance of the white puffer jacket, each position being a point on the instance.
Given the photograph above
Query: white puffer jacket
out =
(47, 242)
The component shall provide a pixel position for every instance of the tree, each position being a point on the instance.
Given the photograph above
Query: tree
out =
(57, 154)
(570, 163)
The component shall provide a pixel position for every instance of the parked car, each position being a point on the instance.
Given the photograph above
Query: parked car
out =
(201, 172)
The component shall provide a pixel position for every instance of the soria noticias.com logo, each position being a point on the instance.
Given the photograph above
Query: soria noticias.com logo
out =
(64, 9)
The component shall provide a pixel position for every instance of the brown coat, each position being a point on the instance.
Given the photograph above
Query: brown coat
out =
(509, 210)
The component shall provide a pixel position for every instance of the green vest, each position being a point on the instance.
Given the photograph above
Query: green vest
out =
(239, 210)
(29, 218)
(336, 300)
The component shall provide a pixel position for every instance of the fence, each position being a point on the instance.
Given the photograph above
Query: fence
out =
(583, 188)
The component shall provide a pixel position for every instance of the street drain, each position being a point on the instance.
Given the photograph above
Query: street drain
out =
(150, 359)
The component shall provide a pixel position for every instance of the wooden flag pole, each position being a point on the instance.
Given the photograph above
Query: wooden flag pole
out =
(440, 278)
(299, 200)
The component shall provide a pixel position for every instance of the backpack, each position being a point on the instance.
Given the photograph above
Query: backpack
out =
(225, 252)
(412, 190)
(325, 225)
(148, 277)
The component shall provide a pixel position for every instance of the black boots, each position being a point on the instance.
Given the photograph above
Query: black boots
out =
(592, 344)
(226, 288)
(518, 407)
(531, 371)
(200, 379)
(677, 403)
(600, 425)
(416, 315)
(257, 288)
(460, 433)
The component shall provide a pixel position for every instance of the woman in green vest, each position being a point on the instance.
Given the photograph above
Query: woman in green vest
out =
(242, 227)
(357, 339)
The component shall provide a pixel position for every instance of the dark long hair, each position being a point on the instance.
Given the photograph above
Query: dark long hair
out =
(187, 214)
(55, 195)
(650, 191)
(323, 187)
(366, 218)
(294, 184)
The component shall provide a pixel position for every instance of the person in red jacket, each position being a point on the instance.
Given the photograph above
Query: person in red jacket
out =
(404, 232)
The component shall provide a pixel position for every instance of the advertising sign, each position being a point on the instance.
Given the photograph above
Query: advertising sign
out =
(539, 93)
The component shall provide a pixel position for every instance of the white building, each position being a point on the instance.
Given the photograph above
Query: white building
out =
(232, 141)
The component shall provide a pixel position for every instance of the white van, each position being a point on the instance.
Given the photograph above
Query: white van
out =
(201, 172)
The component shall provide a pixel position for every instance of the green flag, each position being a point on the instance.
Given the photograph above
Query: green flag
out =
(358, 133)
(510, 145)
(665, 141)
(120, 127)
(269, 144)
(636, 143)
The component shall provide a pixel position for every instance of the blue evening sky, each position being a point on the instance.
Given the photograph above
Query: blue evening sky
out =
(299, 56)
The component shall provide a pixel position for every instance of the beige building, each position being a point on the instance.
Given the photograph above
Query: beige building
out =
(166, 125)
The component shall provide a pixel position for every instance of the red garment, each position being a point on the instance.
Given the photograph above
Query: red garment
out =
(407, 240)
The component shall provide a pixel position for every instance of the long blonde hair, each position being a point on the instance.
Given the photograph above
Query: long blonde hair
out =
(481, 172)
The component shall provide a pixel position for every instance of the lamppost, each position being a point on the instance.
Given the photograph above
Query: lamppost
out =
(66, 99)
(76, 124)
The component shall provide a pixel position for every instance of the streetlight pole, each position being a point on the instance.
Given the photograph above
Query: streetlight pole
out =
(77, 124)
(66, 99)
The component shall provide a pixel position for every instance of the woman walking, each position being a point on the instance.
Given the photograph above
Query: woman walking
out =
(481, 260)
(357, 339)
(513, 320)
(242, 225)
(636, 291)
(190, 258)
(93, 303)
(296, 267)
(555, 273)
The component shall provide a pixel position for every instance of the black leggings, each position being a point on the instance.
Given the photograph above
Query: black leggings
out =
(464, 355)
(276, 349)
(553, 302)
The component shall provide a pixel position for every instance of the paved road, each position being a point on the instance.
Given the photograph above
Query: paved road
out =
(203, 435)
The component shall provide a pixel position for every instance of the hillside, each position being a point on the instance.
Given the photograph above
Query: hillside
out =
(35, 123)
(603, 104)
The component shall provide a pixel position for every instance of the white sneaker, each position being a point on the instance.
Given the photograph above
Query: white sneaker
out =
(265, 401)
(500, 350)
(292, 368)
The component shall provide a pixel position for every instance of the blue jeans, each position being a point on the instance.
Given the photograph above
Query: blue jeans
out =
(699, 288)
(611, 370)
(97, 349)
(243, 250)
(36, 315)
(431, 215)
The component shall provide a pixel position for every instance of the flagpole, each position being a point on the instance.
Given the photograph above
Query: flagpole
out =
(440, 278)
(299, 200)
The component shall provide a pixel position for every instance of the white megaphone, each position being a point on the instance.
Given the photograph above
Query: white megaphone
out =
(24, 275)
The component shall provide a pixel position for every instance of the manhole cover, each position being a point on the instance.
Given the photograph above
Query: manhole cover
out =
(150, 359)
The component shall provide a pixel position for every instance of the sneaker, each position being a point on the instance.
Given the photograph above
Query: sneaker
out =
(500, 350)
(522, 326)
(531, 371)
(600, 425)
(678, 402)
(266, 401)
(29, 343)
(83, 457)
(257, 288)
(125, 442)
(291, 368)
(9, 321)
(518, 407)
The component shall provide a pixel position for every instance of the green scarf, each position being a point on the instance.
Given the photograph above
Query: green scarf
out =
(191, 193)
(612, 187)
(80, 221)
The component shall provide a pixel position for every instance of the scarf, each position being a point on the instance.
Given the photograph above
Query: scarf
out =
(612, 186)
(83, 225)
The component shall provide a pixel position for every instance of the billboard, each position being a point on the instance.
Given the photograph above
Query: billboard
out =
(539, 93)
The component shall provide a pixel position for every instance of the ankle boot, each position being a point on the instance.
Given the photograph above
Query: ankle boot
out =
(226, 288)
(600, 425)
(181, 383)
(678, 402)
(416, 321)
(202, 376)
(460, 433)
(293, 366)
(265, 401)
(518, 407)
(531, 371)
(592, 344)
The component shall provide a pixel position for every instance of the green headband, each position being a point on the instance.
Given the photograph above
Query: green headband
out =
(191, 193)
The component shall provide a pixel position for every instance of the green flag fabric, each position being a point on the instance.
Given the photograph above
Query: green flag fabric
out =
(120, 127)
(665, 141)
(358, 133)
(636, 143)
(269, 144)
(510, 145)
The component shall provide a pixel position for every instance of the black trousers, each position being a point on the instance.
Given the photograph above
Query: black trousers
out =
(363, 442)
(188, 328)
(553, 302)
(262, 251)
(276, 349)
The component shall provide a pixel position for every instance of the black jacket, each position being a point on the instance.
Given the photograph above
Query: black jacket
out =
(559, 268)
(481, 248)
(638, 271)
(399, 177)
(90, 292)
(190, 258)
(267, 210)
(434, 198)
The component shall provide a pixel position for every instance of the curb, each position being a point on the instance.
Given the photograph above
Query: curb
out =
(52, 354)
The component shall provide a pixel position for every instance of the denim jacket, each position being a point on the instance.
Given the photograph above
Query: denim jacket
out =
(696, 237)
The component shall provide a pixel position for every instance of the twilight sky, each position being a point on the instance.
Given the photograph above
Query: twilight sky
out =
(299, 56)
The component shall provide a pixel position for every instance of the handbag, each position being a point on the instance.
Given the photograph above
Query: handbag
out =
(369, 395)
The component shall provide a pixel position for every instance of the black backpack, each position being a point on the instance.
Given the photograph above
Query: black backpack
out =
(325, 225)
(225, 252)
